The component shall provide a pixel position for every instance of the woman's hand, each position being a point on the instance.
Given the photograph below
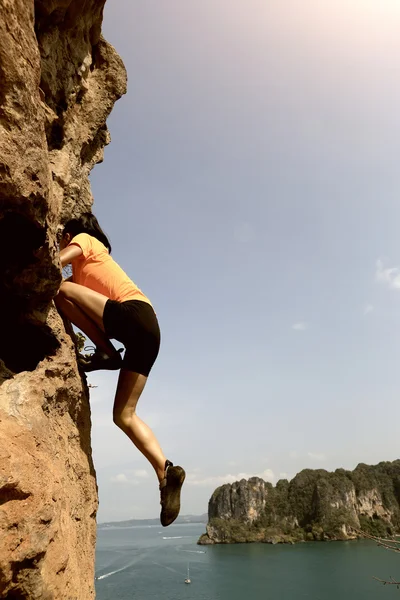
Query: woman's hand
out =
(69, 254)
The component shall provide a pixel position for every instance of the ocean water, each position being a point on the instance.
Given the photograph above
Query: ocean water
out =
(146, 563)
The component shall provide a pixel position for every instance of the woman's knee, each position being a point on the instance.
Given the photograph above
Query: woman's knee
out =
(61, 294)
(60, 297)
(117, 419)
(130, 387)
(65, 289)
(123, 418)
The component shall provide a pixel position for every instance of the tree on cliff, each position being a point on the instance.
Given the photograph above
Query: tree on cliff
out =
(391, 544)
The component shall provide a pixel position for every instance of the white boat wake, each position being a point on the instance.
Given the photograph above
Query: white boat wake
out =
(133, 562)
(111, 573)
(175, 537)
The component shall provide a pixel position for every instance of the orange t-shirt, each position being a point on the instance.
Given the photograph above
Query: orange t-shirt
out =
(95, 269)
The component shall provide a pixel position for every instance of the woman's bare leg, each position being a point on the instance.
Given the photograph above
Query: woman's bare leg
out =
(85, 308)
(92, 303)
(79, 318)
(130, 387)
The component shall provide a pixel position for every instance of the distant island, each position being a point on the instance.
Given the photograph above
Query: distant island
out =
(315, 505)
(143, 522)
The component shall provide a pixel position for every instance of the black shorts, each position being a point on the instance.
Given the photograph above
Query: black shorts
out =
(134, 324)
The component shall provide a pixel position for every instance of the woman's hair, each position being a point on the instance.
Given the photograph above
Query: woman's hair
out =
(87, 223)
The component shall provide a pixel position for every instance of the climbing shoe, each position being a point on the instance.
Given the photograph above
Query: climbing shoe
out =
(170, 491)
(100, 361)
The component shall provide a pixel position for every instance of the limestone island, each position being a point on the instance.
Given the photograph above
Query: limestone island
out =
(316, 505)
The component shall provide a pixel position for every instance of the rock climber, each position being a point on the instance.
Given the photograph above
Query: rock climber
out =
(102, 301)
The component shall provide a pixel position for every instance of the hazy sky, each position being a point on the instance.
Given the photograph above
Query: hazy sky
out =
(251, 189)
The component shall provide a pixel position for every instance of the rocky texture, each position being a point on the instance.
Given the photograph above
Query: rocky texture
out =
(315, 505)
(59, 80)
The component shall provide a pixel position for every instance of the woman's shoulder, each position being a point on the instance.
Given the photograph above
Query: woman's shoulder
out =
(89, 244)
(81, 237)
(83, 240)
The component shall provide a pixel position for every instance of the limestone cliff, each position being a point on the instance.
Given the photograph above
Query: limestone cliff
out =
(315, 505)
(59, 80)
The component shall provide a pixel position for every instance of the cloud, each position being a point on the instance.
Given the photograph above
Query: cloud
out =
(193, 479)
(124, 479)
(141, 473)
(300, 326)
(120, 478)
(368, 308)
(318, 456)
(389, 276)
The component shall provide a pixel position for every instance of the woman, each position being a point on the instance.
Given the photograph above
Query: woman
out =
(104, 303)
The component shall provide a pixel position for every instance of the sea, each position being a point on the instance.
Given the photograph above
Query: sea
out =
(149, 562)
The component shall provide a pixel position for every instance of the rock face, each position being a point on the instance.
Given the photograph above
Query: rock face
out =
(59, 80)
(315, 505)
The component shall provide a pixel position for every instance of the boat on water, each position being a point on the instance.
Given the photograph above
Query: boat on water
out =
(188, 580)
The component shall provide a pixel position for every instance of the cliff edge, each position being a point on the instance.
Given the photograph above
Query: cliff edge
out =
(315, 505)
(59, 80)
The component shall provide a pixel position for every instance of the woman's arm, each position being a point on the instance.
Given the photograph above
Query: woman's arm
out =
(69, 253)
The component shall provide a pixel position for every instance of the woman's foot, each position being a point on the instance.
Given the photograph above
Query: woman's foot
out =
(100, 360)
(170, 491)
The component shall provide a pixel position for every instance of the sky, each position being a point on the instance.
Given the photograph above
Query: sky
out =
(251, 190)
